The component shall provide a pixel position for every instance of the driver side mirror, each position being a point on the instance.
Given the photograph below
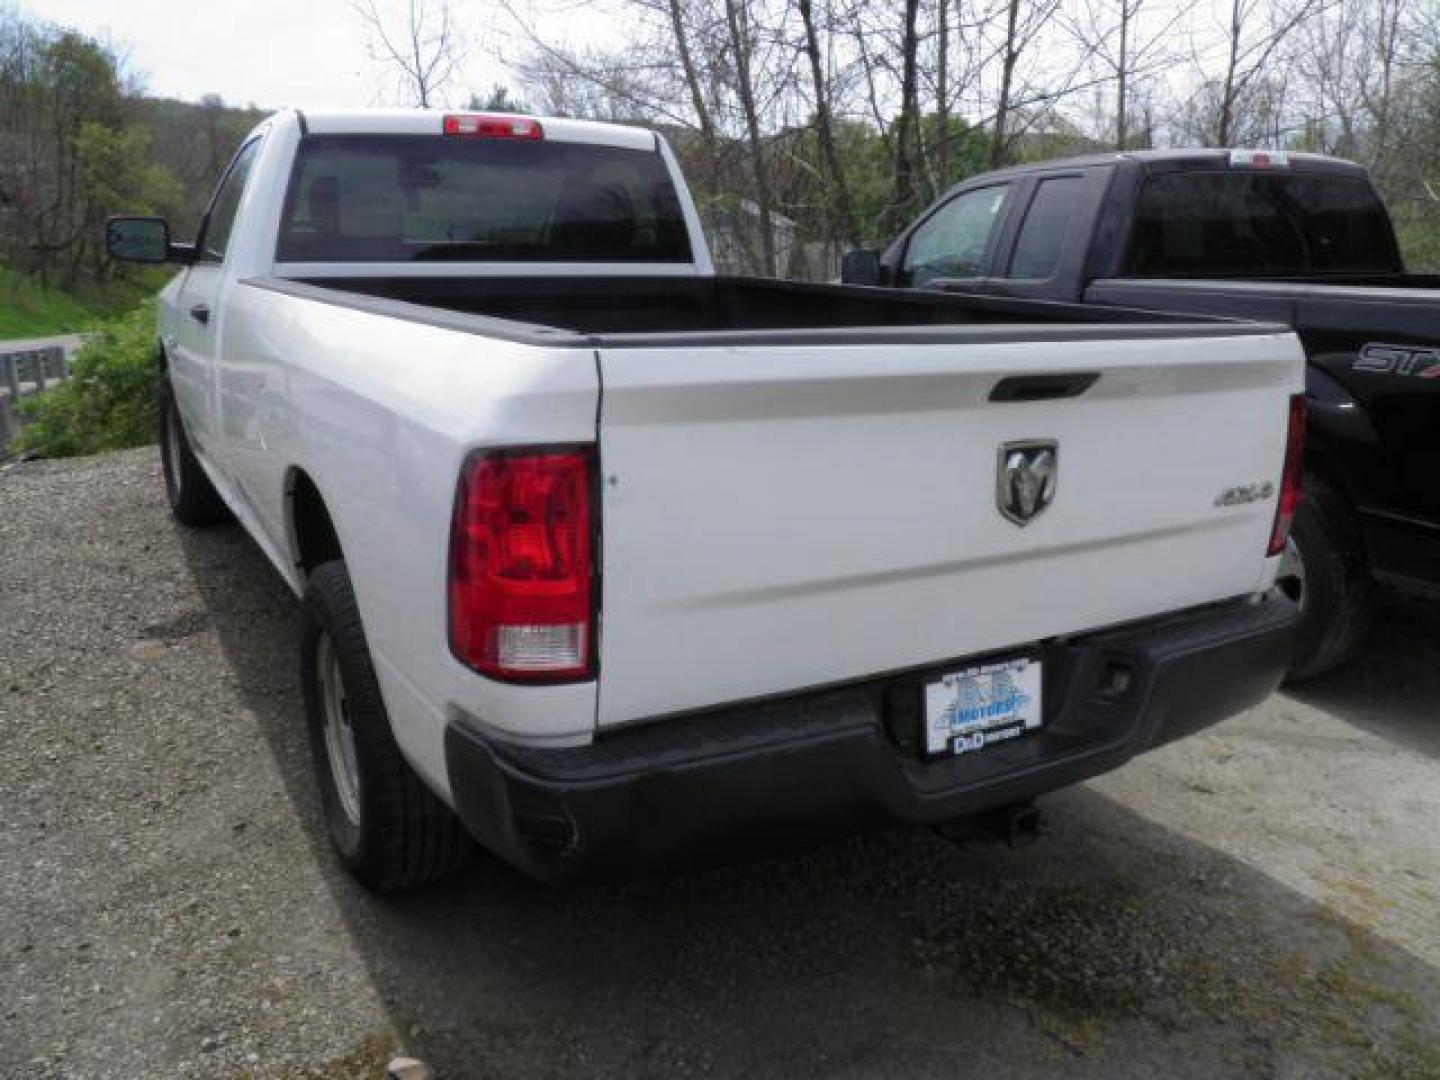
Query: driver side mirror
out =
(860, 267)
(143, 240)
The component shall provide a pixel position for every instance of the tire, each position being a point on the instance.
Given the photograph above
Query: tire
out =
(391, 832)
(193, 499)
(1337, 596)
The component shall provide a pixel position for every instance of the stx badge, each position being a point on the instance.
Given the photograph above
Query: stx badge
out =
(1415, 360)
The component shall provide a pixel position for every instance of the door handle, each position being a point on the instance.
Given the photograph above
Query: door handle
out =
(1043, 387)
(200, 313)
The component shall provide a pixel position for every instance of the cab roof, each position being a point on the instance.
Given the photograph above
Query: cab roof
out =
(430, 121)
(1195, 157)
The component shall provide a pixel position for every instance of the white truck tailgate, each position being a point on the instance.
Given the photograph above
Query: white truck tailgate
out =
(783, 516)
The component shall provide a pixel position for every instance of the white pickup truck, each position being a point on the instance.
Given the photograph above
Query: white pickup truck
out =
(609, 561)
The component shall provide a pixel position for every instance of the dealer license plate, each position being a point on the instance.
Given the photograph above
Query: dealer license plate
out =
(979, 706)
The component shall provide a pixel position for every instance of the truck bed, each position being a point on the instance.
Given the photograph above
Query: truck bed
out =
(802, 482)
(620, 308)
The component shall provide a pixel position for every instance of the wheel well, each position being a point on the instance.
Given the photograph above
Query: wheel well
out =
(315, 538)
(1321, 472)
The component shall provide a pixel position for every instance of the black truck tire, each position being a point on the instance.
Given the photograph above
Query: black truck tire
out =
(1337, 596)
(193, 499)
(391, 832)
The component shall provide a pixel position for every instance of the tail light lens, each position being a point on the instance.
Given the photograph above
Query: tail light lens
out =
(479, 126)
(522, 565)
(1290, 478)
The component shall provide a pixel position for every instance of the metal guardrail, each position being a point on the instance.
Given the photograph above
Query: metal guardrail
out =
(25, 372)
(32, 370)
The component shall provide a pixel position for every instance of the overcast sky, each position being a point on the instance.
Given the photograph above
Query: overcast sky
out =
(274, 53)
(314, 53)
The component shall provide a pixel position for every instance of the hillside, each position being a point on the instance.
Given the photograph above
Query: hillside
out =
(193, 141)
(79, 143)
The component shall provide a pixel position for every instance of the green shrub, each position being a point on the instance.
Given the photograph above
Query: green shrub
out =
(1417, 228)
(1420, 246)
(109, 400)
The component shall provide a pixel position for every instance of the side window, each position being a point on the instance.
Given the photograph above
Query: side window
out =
(952, 241)
(215, 237)
(1046, 229)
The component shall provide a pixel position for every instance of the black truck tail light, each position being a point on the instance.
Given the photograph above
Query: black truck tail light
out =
(1291, 477)
(521, 574)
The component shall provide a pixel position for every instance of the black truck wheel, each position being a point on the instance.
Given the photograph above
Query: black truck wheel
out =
(193, 499)
(1324, 571)
(390, 830)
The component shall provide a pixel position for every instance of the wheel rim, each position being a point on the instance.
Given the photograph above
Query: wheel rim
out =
(1291, 575)
(172, 449)
(339, 734)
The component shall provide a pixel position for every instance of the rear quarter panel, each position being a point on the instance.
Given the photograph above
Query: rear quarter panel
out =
(380, 412)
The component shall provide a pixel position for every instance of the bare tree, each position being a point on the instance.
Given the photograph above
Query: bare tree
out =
(675, 9)
(611, 87)
(1009, 56)
(844, 219)
(739, 23)
(903, 135)
(1378, 88)
(1126, 48)
(834, 120)
(1351, 59)
(942, 94)
(1024, 22)
(417, 41)
(1254, 33)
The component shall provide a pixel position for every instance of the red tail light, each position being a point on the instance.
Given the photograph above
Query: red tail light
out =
(1290, 478)
(480, 126)
(522, 566)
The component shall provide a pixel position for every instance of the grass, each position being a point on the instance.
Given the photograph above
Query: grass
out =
(28, 310)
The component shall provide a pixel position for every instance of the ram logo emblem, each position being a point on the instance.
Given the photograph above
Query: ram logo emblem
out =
(1026, 478)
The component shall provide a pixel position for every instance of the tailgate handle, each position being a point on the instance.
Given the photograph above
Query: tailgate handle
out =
(1043, 387)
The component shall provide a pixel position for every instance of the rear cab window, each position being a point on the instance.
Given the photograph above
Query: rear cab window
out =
(1259, 224)
(403, 198)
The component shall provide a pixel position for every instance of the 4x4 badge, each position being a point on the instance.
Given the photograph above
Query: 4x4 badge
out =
(1026, 477)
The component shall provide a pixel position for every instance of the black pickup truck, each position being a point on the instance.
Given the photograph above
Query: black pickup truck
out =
(1292, 238)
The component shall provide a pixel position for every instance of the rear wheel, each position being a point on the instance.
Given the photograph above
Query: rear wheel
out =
(390, 830)
(1324, 571)
(193, 499)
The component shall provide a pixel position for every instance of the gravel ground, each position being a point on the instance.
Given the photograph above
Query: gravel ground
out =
(1261, 899)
